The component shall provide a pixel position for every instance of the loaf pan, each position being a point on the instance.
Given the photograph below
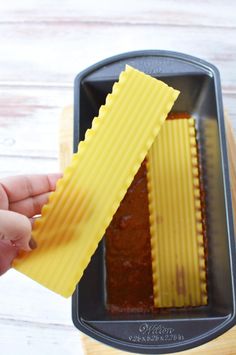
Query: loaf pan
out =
(179, 329)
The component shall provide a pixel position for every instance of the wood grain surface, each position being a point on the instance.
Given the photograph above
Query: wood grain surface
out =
(44, 44)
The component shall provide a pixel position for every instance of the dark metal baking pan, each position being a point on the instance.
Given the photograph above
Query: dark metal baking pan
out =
(148, 333)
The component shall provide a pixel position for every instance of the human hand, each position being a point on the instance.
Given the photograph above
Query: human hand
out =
(21, 198)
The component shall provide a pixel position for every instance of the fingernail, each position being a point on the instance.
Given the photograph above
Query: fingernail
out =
(32, 243)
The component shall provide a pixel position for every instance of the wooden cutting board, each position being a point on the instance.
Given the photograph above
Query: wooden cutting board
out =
(223, 345)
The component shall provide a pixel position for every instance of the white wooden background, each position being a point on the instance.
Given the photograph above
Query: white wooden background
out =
(43, 45)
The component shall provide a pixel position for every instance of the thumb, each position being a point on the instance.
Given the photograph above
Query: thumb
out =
(16, 228)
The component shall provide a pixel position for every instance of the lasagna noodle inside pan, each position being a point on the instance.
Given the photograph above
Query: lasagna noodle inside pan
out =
(176, 217)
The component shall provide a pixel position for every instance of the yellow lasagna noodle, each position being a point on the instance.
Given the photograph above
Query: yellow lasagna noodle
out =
(177, 241)
(81, 208)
